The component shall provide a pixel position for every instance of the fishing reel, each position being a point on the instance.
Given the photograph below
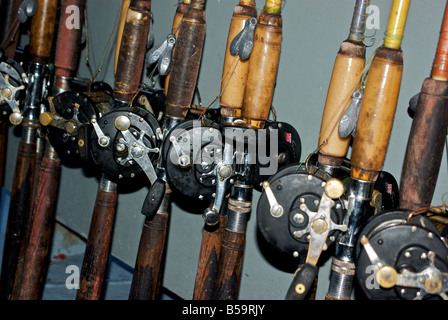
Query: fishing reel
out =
(289, 210)
(280, 215)
(203, 161)
(401, 256)
(125, 144)
(13, 81)
(68, 122)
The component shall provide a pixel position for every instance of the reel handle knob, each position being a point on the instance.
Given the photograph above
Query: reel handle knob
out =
(153, 198)
(302, 283)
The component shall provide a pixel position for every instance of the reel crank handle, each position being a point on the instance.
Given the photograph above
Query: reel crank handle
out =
(153, 198)
(302, 283)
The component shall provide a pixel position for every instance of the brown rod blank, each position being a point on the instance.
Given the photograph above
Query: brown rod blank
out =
(147, 277)
(36, 256)
(425, 146)
(130, 64)
(41, 39)
(8, 37)
(187, 55)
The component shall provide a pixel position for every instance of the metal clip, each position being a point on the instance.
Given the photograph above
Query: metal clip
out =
(243, 42)
(27, 9)
(347, 124)
(162, 55)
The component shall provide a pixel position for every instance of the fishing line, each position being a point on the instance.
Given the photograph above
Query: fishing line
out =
(105, 50)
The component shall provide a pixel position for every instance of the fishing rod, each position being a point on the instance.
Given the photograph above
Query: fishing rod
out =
(300, 213)
(36, 255)
(41, 37)
(122, 130)
(9, 33)
(184, 70)
(414, 265)
(256, 106)
(234, 75)
(369, 148)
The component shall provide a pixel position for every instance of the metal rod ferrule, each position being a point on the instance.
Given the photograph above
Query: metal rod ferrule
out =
(107, 185)
(37, 82)
(358, 211)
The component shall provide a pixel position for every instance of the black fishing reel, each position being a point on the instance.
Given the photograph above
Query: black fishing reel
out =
(401, 256)
(203, 161)
(286, 227)
(13, 81)
(289, 206)
(190, 152)
(124, 142)
(68, 122)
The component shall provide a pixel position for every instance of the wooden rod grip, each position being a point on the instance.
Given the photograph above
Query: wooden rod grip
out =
(185, 63)
(208, 260)
(98, 243)
(425, 146)
(377, 113)
(147, 272)
(263, 68)
(132, 50)
(234, 73)
(42, 30)
(345, 79)
(230, 266)
(36, 254)
(68, 41)
(181, 8)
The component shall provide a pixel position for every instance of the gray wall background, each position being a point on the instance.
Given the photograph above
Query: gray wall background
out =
(312, 33)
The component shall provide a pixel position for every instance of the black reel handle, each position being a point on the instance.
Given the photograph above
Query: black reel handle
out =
(302, 283)
(153, 198)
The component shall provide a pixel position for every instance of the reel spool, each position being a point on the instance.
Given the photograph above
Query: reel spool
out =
(400, 258)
